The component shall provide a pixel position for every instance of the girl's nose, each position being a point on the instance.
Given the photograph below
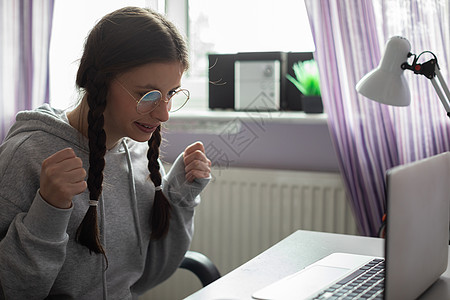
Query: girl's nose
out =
(161, 112)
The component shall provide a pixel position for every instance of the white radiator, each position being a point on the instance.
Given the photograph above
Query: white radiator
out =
(245, 211)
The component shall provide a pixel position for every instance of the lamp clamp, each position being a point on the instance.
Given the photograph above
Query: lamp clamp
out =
(427, 68)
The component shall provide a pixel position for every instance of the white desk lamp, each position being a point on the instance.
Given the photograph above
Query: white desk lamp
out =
(386, 84)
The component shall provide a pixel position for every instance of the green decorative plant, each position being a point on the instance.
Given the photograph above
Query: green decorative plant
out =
(306, 77)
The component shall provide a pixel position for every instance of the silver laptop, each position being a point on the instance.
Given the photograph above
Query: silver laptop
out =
(417, 238)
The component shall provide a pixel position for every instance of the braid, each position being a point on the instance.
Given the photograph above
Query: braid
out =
(88, 232)
(161, 211)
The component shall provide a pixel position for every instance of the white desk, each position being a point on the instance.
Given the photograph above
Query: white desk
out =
(294, 253)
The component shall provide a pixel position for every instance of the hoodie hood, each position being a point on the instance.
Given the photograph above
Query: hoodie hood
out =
(49, 120)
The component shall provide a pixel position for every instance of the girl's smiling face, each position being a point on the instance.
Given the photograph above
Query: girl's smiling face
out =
(121, 116)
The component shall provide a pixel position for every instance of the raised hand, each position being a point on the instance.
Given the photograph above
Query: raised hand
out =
(196, 162)
(62, 177)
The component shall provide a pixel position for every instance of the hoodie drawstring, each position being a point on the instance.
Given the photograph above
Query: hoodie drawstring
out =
(133, 195)
(102, 226)
(135, 216)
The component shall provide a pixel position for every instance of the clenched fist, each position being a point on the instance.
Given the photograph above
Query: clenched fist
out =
(196, 162)
(62, 177)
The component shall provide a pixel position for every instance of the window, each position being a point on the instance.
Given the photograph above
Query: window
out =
(212, 26)
(241, 26)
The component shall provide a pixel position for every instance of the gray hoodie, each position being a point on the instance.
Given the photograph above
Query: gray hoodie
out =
(38, 255)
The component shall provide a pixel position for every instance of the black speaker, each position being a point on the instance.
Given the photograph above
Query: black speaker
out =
(221, 81)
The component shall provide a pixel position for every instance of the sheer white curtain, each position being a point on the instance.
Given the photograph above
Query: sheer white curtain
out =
(370, 138)
(25, 27)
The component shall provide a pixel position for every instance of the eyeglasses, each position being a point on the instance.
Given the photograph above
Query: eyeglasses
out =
(151, 100)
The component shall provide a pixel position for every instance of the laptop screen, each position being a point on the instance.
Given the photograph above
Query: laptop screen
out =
(417, 228)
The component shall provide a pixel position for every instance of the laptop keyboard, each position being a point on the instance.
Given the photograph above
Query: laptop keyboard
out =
(365, 283)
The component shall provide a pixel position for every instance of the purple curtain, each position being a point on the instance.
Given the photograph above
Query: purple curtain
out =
(25, 30)
(370, 138)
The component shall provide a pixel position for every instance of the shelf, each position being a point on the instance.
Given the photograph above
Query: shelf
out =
(231, 122)
(281, 117)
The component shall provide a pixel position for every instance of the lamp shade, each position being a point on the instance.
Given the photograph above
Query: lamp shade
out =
(387, 84)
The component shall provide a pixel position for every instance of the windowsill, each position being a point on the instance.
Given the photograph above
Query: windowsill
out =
(282, 117)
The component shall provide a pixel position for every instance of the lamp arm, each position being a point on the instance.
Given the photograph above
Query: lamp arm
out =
(441, 96)
(444, 88)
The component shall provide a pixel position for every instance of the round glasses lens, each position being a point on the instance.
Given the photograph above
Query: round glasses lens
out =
(178, 100)
(149, 101)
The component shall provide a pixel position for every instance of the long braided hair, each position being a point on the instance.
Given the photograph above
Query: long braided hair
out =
(124, 39)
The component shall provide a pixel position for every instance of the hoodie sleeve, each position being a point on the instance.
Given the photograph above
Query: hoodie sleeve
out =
(33, 236)
(33, 250)
(178, 189)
